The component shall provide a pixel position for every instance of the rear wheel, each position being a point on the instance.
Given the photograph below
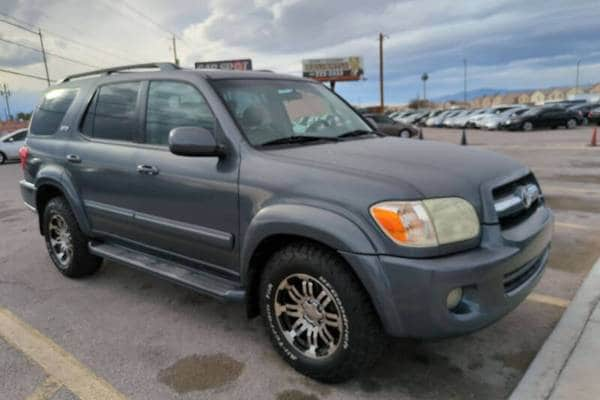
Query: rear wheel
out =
(527, 126)
(66, 244)
(405, 133)
(571, 123)
(319, 318)
(2, 158)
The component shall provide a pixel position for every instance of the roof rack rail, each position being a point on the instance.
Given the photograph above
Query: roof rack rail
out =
(163, 66)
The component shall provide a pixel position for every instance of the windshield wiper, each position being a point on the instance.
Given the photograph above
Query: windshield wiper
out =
(358, 132)
(297, 139)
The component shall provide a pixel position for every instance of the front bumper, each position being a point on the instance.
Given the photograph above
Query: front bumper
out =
(410, 294)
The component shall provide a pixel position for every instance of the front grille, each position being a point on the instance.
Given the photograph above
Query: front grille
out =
(515, 279)
(509, 205)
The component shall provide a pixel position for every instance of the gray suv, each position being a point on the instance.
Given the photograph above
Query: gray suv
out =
(338, 236)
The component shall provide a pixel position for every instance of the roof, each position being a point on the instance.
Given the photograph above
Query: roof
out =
(142, 71)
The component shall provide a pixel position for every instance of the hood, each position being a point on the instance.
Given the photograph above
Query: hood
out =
(433, 169)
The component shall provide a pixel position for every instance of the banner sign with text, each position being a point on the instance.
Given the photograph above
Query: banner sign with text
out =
(238, 65)
(333, 69)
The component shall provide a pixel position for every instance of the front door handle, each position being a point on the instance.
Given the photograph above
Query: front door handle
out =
(74, 158)
(147, 169)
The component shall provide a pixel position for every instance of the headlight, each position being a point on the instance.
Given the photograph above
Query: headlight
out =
(427, 223)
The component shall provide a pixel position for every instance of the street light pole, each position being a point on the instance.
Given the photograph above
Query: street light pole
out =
(465, 82)
(175, 51)
(424, 78)
(381, 101)
(577, 78)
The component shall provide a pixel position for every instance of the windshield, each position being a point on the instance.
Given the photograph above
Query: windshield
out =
(269, 110)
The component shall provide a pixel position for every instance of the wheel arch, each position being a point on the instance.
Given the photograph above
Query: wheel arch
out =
(48, 188)
(276, 227)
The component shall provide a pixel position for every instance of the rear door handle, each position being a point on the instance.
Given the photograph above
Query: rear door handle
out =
(74, 158)
(147, 169)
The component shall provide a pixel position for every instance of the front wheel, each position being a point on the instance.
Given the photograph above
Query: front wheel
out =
(527, 126)
(405, 133)
(2, 158)
(571, 123)
(319, 318)
(67, 245)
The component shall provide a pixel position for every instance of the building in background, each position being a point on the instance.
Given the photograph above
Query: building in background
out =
(524, 98)
(557, 94)
(538, 97)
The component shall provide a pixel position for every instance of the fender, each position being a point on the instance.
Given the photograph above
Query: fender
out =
(53, 175)
(327, 227)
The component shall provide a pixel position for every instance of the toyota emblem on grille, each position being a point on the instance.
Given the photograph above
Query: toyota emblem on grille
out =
(528, 194)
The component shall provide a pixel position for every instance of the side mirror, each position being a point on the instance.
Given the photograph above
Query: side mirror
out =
(194, 142)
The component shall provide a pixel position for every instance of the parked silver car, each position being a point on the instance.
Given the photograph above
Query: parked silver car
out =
(10, 145)
(496, 121)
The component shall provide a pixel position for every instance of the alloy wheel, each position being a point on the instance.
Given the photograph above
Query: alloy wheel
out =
(61, 241)
(309, 316)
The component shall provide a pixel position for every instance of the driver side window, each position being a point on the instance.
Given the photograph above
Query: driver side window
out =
(174, 104)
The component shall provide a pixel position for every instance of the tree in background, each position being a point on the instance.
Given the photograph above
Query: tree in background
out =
(420, 103)
(24, 116)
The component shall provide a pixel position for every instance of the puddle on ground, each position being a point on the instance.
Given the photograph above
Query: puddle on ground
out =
(519, 361)
(411, 369)
(201, 372)
(295, 395)
(572, 203)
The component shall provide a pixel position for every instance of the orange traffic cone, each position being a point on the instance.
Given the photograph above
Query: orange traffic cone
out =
(593, 141)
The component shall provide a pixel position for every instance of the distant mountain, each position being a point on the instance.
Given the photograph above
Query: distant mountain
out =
(472, 94)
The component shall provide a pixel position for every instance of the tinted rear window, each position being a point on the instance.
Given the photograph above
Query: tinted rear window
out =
(112, 114)
(50, 113)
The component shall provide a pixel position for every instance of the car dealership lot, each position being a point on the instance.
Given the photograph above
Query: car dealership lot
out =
(149, 339)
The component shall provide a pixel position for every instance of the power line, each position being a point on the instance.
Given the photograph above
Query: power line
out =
(147, 18)
(17, 25)
(22, 74)
(21, 24)
(48, 53)
(157, 25)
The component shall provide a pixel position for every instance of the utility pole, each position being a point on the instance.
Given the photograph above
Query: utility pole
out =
(465, 82)
(44, 56)
(577, 78)
(381, 101)
(175, 50)
(6, 93)
(424, 78)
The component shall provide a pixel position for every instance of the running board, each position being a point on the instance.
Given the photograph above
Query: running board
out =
(199, 281)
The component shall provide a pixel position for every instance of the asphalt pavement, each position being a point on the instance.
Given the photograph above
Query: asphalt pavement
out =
(138, 337)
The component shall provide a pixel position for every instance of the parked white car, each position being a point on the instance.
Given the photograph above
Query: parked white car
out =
(10, 145)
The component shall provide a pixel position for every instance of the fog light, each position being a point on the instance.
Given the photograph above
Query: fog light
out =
(454, 297)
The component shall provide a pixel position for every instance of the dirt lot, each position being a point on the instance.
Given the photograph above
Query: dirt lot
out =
(149, 339)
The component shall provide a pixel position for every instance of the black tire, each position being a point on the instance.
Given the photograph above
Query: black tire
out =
(527, 126)
(360, 340)
(405, 133)
(78, 262)
(571, 123)
(2, 158)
